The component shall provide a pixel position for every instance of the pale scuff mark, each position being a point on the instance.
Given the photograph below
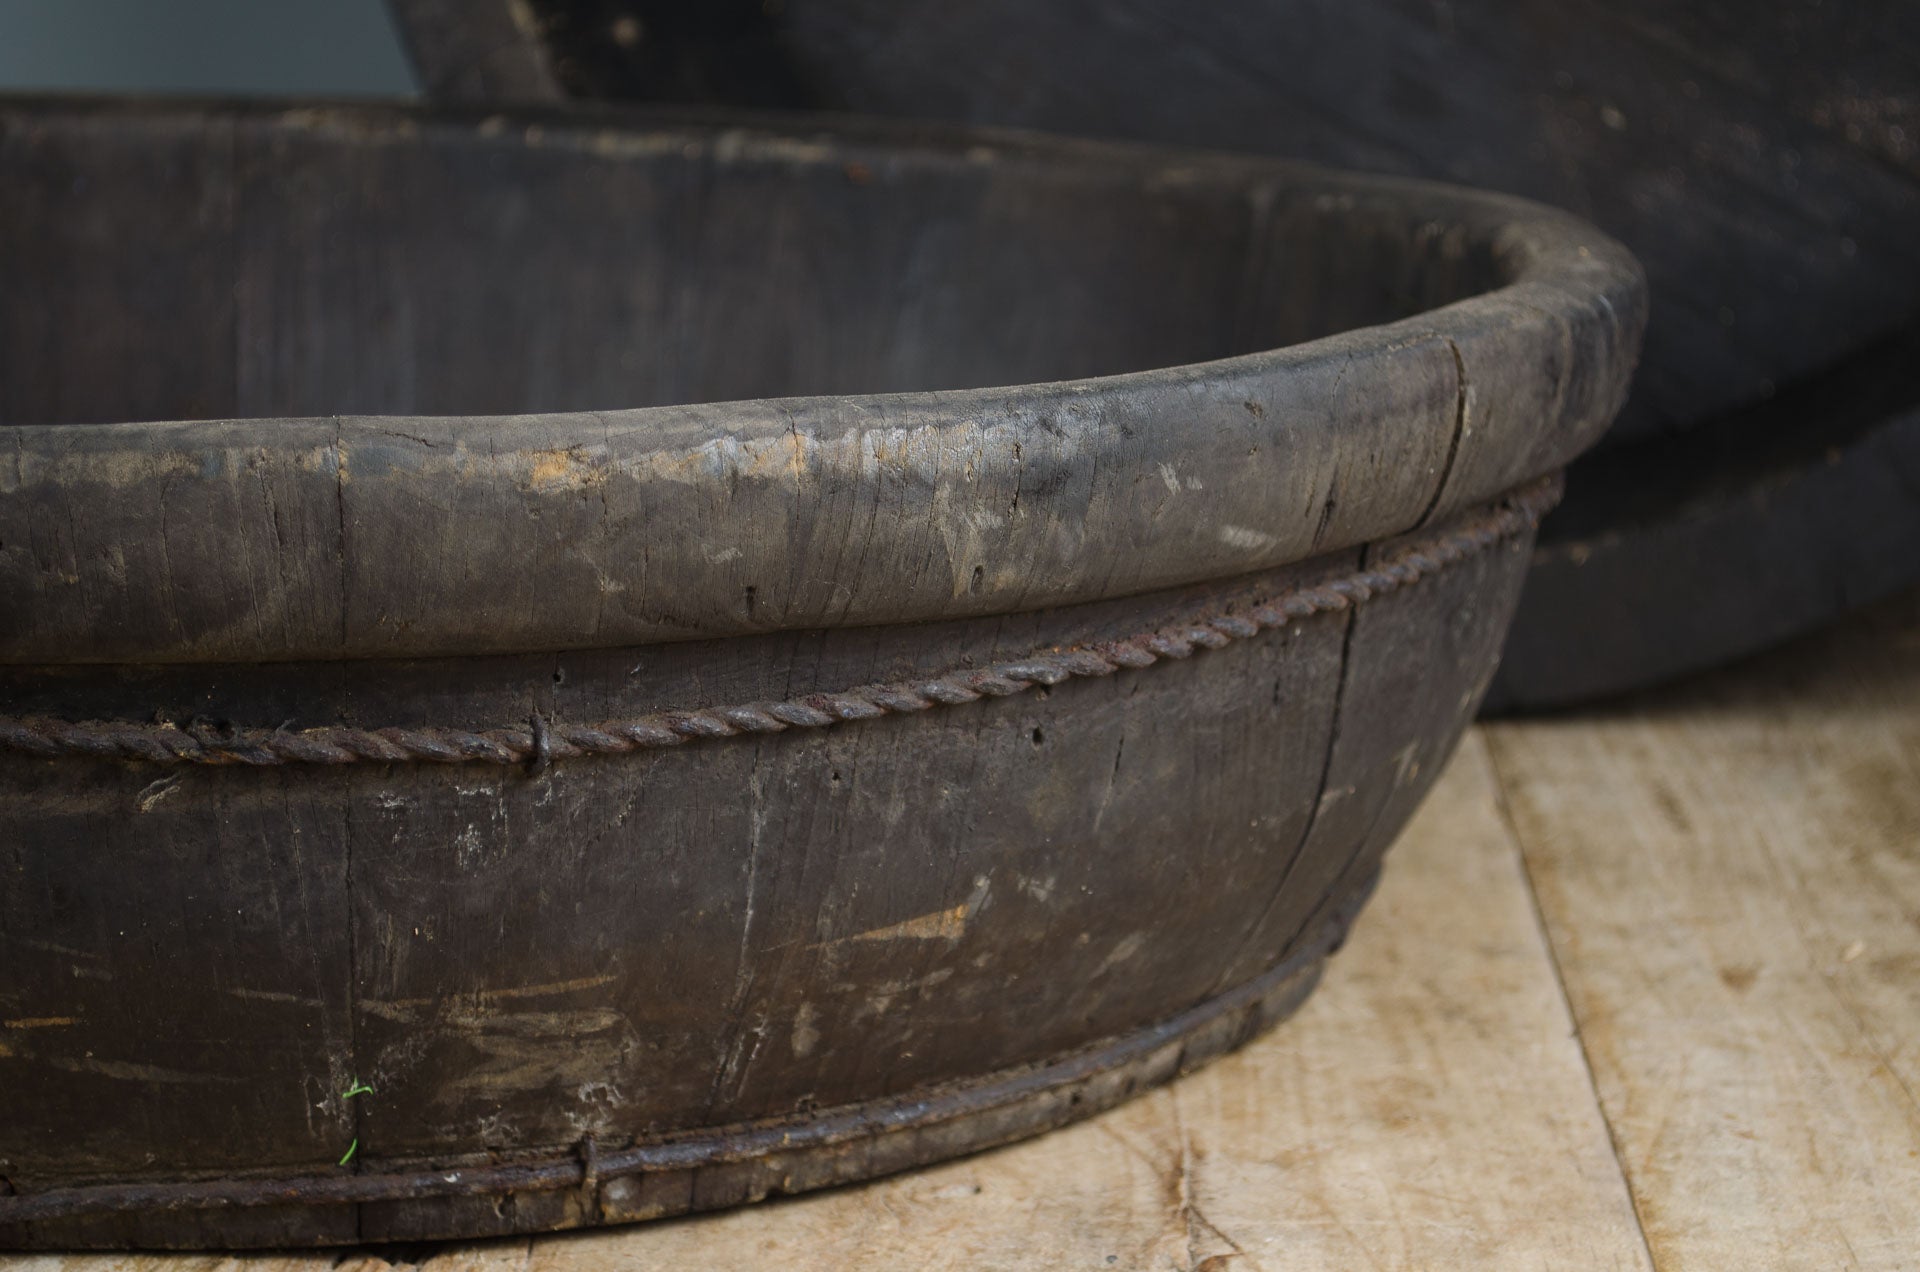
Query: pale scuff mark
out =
(128, 467)
(154, 792)
(536, 1051)
(1125, 948)
(552, 987)
(325, 119)
(947, 925)
(468, 849)
(403, 1008)
(40, 1022)
(806, 1034)
(880, 998)
(595, 1108)
(1406, 763)
(624, 143)
(894, 988)
(52, 948)
(1039, 889)
(1329, 798)
(389, 1011)
(565, 469)
(737, 145)
(129, 1072)
(940, 925)
(1245, 538)
(274, 996)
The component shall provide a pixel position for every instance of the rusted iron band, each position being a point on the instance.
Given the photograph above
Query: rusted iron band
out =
(546, 741)
(593, 1166)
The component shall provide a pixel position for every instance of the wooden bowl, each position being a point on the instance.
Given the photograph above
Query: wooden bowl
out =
(1764, 476)
(421, 818)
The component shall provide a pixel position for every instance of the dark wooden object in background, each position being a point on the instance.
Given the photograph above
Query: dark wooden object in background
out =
(349, 887)
(1764, 160)
(478, 50)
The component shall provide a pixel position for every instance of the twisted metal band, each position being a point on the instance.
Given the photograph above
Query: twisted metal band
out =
(541, 741)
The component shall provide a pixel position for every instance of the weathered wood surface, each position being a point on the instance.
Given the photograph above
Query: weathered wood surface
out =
(180, 263)
(1731, 909)
(1763, 159)
(609, 814)
(477, 50)
(1670, 556)
(1731, 875)
(611, 949)
(1428, 1109)
(1432, 1111)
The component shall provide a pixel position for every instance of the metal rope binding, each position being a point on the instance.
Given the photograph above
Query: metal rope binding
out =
(543, 742)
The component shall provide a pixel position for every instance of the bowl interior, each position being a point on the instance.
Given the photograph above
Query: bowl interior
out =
(191, 263)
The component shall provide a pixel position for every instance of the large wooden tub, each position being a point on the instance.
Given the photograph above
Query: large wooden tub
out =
(421, 817)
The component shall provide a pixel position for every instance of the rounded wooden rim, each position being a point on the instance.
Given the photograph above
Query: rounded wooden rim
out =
(828, 510)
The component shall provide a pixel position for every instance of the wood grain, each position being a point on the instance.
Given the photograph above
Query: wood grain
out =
(1429, 1108)
(770, 931)
(930, 356)
(1761, 158)
(516, 961)
(1731, 877)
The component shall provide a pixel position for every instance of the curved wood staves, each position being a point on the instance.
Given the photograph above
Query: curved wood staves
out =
(1136, 668)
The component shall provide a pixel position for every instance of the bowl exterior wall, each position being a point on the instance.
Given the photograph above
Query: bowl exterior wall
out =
(237, 971)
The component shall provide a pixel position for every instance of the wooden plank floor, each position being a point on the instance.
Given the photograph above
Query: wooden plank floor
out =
(1640, 989)
(1731, 879)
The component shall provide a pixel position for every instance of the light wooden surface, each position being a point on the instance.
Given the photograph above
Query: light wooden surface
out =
(1640, 988)
(1731, 880)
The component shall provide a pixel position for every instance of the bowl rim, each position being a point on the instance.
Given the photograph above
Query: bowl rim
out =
(848, 510)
